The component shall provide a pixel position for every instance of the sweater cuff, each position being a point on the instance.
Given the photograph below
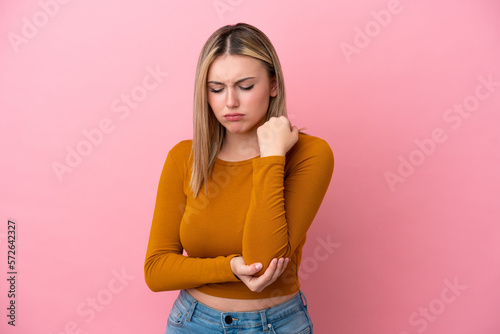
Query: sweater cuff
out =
(230, 276)
(272, 159)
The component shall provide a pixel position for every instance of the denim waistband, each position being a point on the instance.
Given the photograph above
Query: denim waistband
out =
(241, 319)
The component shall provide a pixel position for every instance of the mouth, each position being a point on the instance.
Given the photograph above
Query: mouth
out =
(233, 117)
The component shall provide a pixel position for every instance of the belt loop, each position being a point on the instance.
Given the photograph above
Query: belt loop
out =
(190, 312)
(304, 300)
(265, 326)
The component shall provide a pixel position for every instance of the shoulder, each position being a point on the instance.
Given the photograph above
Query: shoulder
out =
(182, 148)
(180, 153)
(311, 151)
(308, 145)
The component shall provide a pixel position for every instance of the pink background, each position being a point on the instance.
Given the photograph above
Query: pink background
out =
(407, 239)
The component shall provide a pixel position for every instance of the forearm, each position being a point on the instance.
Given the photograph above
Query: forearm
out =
(265, 235)
(170, 271)
(284, 201)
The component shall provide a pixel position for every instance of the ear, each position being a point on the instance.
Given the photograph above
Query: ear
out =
(274, 87)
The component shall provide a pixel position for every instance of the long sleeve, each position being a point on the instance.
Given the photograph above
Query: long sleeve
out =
(166, 268)
(284, 202)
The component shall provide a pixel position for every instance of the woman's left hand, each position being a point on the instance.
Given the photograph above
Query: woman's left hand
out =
(258, 283)
(276, 136)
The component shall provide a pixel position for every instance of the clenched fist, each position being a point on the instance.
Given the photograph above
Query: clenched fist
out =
(276, 136)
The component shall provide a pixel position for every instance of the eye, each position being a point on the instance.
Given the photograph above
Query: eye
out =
(215, 90)
(247, 88)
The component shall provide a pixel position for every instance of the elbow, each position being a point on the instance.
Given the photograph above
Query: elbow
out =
(150, 282)
(150, 278)
(158, 280)
(265, 257)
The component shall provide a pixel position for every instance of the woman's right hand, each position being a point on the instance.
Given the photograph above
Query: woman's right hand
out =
(258, 283)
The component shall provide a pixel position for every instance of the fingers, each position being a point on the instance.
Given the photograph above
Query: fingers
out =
(239, 267)
(255, 268)
(275, 269)
(276, 136)
(269, 273)
(280, 122)
(249, 270)
(274, 124)
(280, 268)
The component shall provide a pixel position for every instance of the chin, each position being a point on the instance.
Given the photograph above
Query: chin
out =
(236, 130)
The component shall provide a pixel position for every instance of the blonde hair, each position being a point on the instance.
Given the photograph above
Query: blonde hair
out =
(208, 133)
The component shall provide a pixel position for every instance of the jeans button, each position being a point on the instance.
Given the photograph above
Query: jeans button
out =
(228, 319)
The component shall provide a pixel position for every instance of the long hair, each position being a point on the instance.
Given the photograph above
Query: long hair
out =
(208, 134)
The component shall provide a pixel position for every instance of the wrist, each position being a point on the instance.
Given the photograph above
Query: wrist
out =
(271, 153)
(231, 267)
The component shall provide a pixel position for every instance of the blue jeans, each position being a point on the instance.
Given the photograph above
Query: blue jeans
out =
(190, 316)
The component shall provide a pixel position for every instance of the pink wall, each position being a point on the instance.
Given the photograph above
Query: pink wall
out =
(407, 93)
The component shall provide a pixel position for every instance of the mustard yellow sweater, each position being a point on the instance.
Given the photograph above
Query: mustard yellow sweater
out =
(259, 208)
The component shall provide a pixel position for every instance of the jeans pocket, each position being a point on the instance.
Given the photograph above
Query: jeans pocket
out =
(177, 316)
(296, 323)
(306, 330)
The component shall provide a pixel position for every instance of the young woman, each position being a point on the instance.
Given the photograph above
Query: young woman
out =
(238, 198)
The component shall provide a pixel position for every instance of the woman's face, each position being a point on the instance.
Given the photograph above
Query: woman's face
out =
(239, 89)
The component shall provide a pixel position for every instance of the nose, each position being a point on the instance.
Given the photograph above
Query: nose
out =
(232, 98)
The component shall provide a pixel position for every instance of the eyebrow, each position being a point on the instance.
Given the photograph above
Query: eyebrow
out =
(237, 82)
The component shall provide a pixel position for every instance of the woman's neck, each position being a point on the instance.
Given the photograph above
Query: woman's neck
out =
(239, 146)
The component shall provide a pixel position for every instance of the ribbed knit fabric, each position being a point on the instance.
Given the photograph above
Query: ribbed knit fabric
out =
(259, 208)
